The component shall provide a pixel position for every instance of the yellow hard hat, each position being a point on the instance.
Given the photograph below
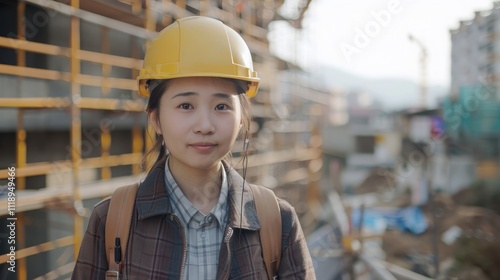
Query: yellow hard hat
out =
(198, 47)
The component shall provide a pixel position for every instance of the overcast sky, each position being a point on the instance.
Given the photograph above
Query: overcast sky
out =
(370, 37)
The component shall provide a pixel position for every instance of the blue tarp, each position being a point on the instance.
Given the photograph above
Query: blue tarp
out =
(409, 219)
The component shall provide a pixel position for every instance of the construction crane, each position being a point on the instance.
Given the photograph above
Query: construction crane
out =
(423, 71)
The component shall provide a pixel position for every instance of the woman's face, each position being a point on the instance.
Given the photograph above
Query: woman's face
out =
(199, 119)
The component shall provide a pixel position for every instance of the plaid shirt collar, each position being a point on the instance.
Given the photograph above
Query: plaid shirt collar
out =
(186, 210)
(152, 198)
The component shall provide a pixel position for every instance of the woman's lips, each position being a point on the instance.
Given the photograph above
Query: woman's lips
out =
(203, 147)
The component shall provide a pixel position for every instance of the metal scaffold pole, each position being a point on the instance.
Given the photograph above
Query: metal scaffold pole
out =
(76, 133)
(21, 136)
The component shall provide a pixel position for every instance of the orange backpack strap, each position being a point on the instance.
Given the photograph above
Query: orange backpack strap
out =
(269, 215)
(118, 227)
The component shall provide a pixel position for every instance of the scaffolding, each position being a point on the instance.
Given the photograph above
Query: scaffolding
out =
(296, 163)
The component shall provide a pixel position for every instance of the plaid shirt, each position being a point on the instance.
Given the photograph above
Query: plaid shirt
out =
(157, 244)
(203, 233)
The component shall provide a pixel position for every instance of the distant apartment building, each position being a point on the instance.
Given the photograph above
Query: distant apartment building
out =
(472, 113)
(475, 51)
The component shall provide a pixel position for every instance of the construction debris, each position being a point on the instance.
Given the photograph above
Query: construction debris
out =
(458, 228)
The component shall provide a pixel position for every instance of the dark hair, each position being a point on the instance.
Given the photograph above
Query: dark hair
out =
(154, 105)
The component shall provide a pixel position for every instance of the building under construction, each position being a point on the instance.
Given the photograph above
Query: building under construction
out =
(73, 128)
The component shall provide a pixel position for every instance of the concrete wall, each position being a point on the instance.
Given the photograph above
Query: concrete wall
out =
(462, 173)
(338, 139)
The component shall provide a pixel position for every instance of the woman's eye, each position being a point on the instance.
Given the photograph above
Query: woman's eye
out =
(185, 106)
(221, 107)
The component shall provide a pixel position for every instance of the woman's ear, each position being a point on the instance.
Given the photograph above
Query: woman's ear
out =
(154, 121)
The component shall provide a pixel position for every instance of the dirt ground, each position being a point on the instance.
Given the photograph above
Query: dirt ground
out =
(416, 252)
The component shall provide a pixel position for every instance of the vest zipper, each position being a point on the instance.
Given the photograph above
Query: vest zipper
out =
(124, 257)
(227, 238)
(184, 245)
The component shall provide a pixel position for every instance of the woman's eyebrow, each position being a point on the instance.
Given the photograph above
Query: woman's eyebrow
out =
(191, 93)
(184, 94)
(222, 95)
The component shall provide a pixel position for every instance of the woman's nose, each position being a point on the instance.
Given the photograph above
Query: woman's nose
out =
(204, 123)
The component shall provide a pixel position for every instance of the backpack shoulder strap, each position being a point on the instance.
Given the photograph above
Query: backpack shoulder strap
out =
(118, 226)
(269, 215)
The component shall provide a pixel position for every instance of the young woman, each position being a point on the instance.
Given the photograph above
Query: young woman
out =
(193, 217)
